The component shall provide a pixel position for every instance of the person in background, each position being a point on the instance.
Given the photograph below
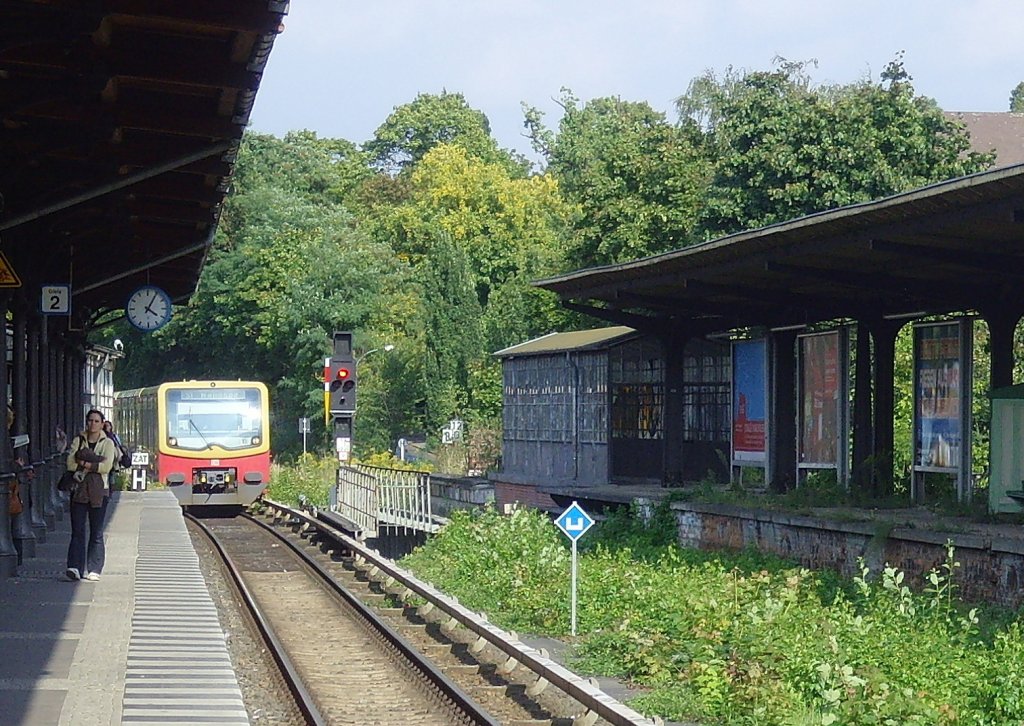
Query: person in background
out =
(108, 429)
(86, 557)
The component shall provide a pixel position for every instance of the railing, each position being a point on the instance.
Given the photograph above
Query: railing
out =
(372, 496)
(356, 492)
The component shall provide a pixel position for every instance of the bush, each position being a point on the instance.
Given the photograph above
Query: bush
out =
(738, 638)
(310, 477)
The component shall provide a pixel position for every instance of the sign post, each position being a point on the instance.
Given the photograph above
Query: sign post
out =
(574, 523)
(303, 429)
(140, 467)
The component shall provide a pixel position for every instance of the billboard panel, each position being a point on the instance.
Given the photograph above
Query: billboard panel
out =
(749, 396)
(938, 393)
(819, 399)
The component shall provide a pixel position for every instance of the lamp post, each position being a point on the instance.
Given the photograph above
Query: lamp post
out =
(387, 349)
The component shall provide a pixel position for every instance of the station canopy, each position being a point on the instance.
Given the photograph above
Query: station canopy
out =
(120, 124)
(953, 246)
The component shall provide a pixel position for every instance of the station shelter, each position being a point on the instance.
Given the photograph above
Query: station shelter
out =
(792, 309)
(121, 124)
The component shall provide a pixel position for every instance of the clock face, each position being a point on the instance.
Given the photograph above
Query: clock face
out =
(148, 308)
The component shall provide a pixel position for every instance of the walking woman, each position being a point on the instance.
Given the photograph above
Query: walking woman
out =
(92, 455)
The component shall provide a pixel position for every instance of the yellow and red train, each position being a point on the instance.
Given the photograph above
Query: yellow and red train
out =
(208, 441)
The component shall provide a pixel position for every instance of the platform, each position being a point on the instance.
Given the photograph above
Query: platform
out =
(141, 646)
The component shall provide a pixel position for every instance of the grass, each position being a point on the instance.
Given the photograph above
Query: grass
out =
(739, 638)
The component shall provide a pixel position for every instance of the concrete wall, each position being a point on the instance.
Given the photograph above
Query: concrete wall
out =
(991, 567)
(448, 493)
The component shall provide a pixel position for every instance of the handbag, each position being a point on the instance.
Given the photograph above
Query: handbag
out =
(125, 461)
(14, 505)
(67, 481)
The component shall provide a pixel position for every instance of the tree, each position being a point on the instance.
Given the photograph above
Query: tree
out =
(511, 230)
(635, 179)
(784, 149)
(1017, 98)
(415, 128)
(287, 270)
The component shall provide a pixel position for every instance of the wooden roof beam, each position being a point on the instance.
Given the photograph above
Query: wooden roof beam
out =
(989, 262)
(891, 285)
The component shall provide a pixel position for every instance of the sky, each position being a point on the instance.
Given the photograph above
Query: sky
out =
(341, 66)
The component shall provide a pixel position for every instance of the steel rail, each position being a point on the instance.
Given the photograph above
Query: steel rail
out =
(303, 699)
(582, 690)
(427, 669)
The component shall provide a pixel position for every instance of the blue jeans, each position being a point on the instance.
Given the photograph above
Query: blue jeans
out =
(87, 555)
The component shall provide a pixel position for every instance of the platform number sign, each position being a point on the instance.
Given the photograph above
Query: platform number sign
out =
(574, 522)
(55, 300)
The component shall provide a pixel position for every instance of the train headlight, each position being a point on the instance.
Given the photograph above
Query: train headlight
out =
(255, 441)
(171, 441)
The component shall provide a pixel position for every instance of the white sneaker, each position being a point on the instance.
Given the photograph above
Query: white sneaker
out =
(92, 576)
(72, 573)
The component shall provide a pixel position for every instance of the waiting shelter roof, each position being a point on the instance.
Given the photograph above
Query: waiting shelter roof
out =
(562, 342)
(952, 246)
(119, 125)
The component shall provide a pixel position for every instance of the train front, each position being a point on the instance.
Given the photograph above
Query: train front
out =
(214, 441)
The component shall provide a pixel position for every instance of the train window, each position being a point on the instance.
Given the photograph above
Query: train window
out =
(200, 419)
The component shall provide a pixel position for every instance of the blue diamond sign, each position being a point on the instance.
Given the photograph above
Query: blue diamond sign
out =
(574, 522)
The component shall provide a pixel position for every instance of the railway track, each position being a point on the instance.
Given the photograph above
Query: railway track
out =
(341, 665)
(488, 675)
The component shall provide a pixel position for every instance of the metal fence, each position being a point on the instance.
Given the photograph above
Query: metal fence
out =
(372, 496)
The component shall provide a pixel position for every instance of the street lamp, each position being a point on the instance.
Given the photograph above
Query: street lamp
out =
(387, 349)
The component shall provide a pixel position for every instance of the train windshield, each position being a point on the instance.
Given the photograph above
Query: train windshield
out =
(201, 418)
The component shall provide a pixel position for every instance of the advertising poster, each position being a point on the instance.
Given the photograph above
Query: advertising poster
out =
(938, 395)
(749, 394)
(819, 399)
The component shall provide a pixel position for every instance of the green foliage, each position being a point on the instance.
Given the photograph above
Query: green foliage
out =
(1017, 98)
(636, 180)
(783, 149)
(413, 129)
(308, 477)
(739, 639)
(507, 561)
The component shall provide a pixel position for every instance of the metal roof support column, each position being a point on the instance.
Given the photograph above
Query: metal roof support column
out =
(782, 425)
(52, 505)
(37, 443)
(1001, 326)
(9, 555)
(883, 334)
(23, 534)
(60, 416)
(863, 435)
(674, 345)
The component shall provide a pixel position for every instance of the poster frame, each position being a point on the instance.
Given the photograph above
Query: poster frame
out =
(842, 423)
(963, 463)
(749, 458)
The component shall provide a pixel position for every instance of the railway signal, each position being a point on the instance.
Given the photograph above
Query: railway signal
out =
(340, 393)
(341, 376)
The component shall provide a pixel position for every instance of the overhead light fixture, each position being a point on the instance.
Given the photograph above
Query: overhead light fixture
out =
(783, 328)
(904, 316)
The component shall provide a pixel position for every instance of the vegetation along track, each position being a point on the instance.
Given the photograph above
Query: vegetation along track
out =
(371, 662)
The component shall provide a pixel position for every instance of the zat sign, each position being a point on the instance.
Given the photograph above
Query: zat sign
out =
(574, 522)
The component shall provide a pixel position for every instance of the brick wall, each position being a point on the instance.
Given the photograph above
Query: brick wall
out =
(991, 568)
(506, 493)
